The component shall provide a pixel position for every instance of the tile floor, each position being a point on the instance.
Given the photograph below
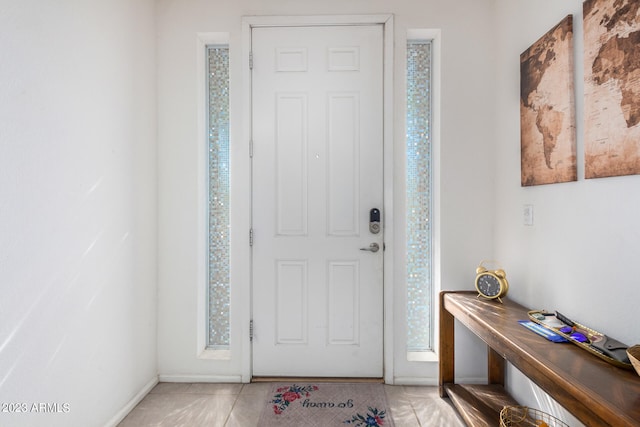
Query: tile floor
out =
(240, 405)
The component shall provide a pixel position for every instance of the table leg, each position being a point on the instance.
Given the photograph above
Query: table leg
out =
(496, 367)
(446, 349)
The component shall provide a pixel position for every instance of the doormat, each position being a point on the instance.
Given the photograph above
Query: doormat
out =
(325, 405)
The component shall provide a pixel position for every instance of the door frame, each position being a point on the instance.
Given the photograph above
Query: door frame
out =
(386, 20)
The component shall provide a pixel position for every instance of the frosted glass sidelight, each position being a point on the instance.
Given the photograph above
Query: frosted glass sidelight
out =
(418, 196)
(218, 241)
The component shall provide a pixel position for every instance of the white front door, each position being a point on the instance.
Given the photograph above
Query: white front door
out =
(317, 112)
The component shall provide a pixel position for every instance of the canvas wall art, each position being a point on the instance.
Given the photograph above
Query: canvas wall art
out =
(612, 87)
(547, 108)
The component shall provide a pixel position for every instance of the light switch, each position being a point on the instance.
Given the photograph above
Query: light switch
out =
(528, 214)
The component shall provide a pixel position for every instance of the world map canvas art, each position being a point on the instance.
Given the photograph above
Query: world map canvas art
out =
(612, 87)
(547, 108)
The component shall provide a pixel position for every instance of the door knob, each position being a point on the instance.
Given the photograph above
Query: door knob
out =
(374, 247)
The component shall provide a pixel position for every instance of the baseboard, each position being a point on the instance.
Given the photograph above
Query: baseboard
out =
(169, 378)
(122, 413)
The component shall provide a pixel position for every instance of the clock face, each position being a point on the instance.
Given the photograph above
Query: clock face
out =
(488, 285)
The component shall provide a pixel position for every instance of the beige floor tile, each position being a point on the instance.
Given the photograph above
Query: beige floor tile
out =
(209, 388)
(422, 391)
(394, 391)
(403, 414)
(171, 388)
(400, 407)
(431, 410)
(246, 411)
(240, 405)
(254, 389)
(180, 410)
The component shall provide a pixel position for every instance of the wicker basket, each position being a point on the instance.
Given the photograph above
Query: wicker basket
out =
(521, 416)
(634, 356)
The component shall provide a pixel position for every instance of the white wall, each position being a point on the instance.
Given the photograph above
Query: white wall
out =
(465, 162)
(77, 208)
(580, 257)
(78, 192)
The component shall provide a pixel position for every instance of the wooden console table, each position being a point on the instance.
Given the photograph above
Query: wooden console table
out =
(595, 392)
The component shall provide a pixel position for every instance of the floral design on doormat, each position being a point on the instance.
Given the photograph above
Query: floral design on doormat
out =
(285, 395)
(373, 418)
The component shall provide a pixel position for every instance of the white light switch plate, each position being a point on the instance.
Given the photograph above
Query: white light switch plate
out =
(528, 214)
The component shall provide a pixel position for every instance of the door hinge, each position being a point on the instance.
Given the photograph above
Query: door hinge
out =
(251, 330)
(251, 237)
(251, 148)
(251, 60)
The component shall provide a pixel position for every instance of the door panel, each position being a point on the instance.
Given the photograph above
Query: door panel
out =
(343, 121)
(317, 171)
(291, 164)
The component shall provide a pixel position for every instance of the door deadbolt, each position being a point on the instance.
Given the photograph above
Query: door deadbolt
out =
(374, 221)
